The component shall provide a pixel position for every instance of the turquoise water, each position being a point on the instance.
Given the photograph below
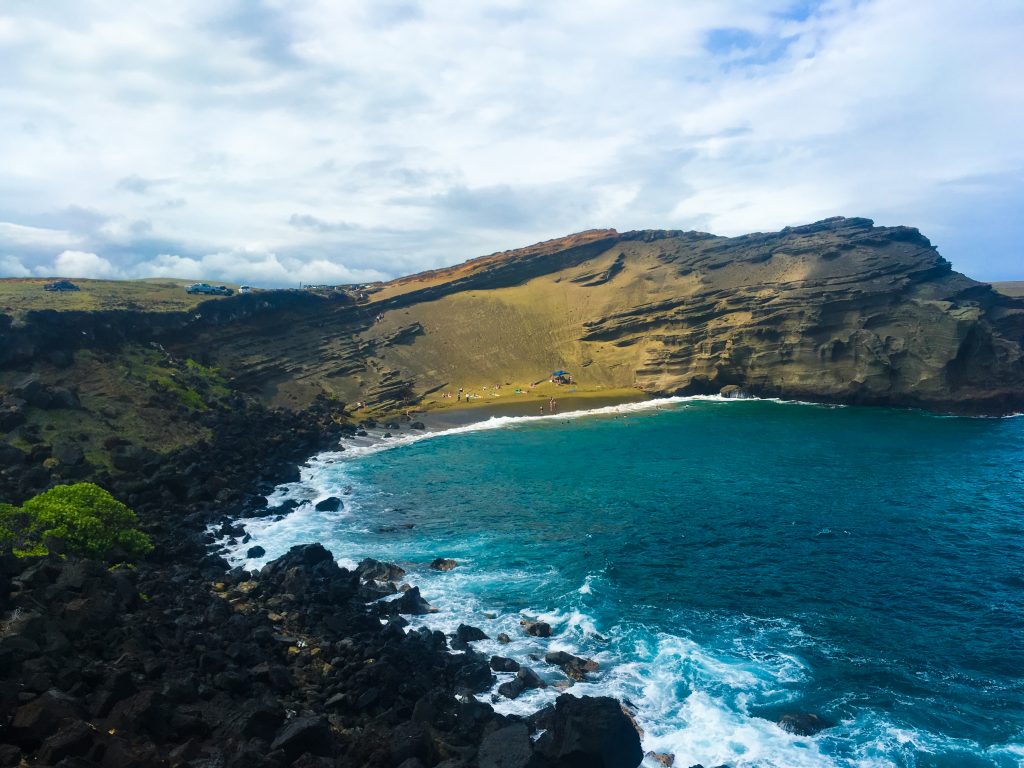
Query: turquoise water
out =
(726, 562)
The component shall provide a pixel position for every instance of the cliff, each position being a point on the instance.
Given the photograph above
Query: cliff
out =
(840, 310)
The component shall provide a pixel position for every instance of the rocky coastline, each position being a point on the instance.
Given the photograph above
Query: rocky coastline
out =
(181, 661)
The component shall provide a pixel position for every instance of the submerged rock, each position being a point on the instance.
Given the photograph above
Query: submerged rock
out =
(536, 628)
(443, 564)
(802, 723)
(575, 667)
(330, 504)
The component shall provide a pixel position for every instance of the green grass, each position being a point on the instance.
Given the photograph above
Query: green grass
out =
(20, 295)
(1010, 287)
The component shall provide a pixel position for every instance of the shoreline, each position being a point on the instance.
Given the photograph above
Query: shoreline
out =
(531, 405)
(297, 664)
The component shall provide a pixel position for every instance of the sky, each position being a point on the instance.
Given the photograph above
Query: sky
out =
(274, 142)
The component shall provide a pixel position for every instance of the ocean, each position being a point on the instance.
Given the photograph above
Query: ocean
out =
(725, 561)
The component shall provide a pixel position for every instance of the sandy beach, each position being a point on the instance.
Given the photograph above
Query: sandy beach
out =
(438, 413)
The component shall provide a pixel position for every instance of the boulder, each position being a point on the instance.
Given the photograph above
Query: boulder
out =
(417, 425)
(504, 664)
(443, 564)
(591, 731)
(73, 740)
(304, 734)
(375, 570)
(43, 716)
(68, 453)
(508, 747)
(536, 628)
(330, 504)
(529, 678)
(256, 551)
(802, 723)
(468, 634)
(512, 688)
(11, 456)
(412, 603)
(573, 666)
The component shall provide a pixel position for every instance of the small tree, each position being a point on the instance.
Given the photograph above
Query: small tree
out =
(89, 521)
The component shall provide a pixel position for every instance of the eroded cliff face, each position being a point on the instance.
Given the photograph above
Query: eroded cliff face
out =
(839, 310)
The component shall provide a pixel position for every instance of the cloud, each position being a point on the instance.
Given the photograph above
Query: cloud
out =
(20, 235)
(305, 221)
(83, 264)
(12, 267)
(136, 184)
(265, 140)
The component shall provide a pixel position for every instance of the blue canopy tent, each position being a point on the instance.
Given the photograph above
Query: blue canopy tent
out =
(559, 373)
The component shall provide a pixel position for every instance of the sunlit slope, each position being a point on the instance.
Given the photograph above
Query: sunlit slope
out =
(838, 310)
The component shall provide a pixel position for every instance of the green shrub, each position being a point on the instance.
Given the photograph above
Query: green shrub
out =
(18, 533)
(88, 520)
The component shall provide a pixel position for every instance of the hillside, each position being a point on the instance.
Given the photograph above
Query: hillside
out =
(1010, 287)
(840, 311)
(837, 311)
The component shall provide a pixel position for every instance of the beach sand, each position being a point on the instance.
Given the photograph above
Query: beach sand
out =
(443, 413)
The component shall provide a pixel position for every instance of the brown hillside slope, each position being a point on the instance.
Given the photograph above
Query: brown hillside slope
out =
(839, 310)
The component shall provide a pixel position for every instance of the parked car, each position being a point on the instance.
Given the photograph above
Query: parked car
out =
(201, 288)
(242, 289)
(61, 285)
(223, 290)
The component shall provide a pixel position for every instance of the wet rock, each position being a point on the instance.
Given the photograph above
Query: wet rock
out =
(512, 688)
(661, 758)
(469, 634)
(573, 666)
(375, 570)
(536, 628)
(475, 675)
(802, 723)
(412, 603)
(503, 638)
(443, 564)
(256, 551)
(504, 664)
(590, 731)
(417, 425)
(529, 678)
(330, 504)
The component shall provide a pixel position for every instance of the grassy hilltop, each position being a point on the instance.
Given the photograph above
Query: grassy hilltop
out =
(24, 294)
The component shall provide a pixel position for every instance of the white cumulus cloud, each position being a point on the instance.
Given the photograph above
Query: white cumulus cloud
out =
(324, 141)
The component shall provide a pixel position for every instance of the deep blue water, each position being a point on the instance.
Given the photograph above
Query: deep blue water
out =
(726, 563)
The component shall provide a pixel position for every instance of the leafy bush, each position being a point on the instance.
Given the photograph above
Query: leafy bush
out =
(18, 534)
(87, 519)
